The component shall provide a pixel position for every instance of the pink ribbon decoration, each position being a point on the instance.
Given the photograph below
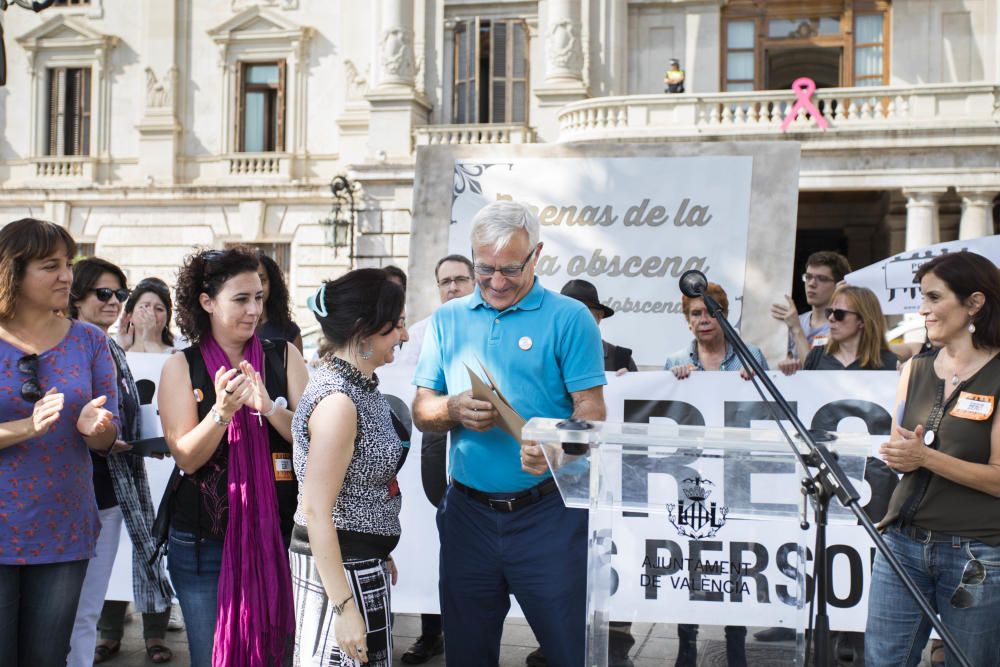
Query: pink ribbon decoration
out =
(804, 87)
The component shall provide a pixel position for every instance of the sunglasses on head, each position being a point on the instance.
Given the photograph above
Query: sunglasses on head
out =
(31, 390)
(839, 314)
(105, 293)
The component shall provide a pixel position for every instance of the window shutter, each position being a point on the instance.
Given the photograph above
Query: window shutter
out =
(499, 74)
(466, 93)
(54, 111)
(518, 72)
(84, 124)
(238, 139)
(279, 140)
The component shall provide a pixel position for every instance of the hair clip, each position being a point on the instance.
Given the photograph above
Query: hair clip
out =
(317, 302)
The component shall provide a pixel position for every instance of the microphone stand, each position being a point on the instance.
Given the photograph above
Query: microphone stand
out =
(827, 482)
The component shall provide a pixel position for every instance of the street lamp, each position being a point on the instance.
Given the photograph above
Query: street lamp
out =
(33, 5)
(340, 221)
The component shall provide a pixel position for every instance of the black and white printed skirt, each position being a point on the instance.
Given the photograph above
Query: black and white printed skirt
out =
(315, 643)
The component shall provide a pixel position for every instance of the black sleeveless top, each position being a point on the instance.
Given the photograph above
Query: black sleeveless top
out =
(961, 428)
(202, 500)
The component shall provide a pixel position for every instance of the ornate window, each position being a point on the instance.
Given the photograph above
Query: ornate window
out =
(491, 69)
(263, 61)
(261, 115)
(68, 111)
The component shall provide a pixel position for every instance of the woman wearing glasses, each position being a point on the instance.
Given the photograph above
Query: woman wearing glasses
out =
(943, 522)
(59, 398)
(120, 485)
(145, 325)
(225, 404)
(857, 334)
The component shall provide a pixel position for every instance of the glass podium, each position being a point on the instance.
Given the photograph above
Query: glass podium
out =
(692, 525)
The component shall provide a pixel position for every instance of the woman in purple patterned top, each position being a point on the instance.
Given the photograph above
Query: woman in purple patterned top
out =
(59, 397)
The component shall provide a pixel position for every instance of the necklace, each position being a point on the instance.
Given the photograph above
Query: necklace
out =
(353, 373)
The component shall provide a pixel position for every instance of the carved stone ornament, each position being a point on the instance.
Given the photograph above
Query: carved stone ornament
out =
(397, 52)
(563, 47)
(357, 81)
(238, 5)
(160, 94)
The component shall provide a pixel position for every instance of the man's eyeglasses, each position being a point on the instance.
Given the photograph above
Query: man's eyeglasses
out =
(506, 271)
(457, 281)
(838, 314)
(973, 575)
(809, 277)
(105, 293)
(31, 390)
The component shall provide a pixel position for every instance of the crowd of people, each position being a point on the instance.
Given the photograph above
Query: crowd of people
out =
(283, 509)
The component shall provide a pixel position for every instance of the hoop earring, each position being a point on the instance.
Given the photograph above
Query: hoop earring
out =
(366, 354)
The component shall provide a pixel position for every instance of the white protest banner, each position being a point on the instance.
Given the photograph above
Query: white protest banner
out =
(660, 590)
(892, 279)
(146, 372)
(613, 220)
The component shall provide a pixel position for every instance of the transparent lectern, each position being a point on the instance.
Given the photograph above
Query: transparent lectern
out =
(721, 510)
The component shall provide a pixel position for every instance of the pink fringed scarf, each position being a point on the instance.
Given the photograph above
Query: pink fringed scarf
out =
(255, 616)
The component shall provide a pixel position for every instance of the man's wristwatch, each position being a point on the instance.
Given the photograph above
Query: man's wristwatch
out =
(218, 419)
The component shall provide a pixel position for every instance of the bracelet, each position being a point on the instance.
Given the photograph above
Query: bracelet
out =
(219, 419)
(338, 609)
(277, 404)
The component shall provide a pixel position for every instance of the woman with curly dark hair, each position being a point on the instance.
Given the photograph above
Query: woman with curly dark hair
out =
(276, 320)
(145, 324)
(226, 407)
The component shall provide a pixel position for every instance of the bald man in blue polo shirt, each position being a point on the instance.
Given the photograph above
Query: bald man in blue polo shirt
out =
(503, 526)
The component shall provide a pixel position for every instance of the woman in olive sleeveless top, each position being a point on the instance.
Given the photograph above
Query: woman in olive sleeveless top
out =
(943, 521)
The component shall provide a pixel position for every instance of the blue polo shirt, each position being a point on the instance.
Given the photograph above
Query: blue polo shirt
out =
(564, 355)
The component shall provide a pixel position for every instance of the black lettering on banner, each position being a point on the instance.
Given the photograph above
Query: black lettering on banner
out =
(785, 566)
(147, 389)
(748, 570)
(857, 576)
(641, 411)
(875, 417)
(656, 566)
(696, 571)
(635, 487)
(741, 414)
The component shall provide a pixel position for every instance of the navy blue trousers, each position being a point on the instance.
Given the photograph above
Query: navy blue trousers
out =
(538, 554)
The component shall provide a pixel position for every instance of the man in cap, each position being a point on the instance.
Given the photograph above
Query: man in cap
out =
(674, 78)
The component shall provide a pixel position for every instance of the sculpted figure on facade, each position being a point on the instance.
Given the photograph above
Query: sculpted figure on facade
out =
(562, 46)
(160, 94)
(357, 81)
(397, 53)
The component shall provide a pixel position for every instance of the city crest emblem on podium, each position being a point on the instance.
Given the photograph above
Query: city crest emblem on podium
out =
(697, 518)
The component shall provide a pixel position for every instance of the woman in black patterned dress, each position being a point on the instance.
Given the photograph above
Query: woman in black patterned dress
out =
(346, 454)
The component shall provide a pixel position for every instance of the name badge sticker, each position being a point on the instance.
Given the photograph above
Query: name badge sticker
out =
(977, 407)
(283, 468)
(821, 340)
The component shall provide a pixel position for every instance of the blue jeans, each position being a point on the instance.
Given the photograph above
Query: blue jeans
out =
(194, 566)
(537, 553)
(37, 609)
(897, 631)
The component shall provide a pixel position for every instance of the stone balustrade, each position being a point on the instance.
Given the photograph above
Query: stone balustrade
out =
(759, 114)
(433, 135)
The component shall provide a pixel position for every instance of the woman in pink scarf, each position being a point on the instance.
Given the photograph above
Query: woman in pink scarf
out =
(226, 406)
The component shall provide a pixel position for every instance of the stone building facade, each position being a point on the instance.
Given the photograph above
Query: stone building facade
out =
(149, 127)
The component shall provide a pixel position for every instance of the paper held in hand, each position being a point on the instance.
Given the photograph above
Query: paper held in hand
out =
(507, 417)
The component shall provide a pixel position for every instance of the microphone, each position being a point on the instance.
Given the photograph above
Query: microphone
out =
(693, 284)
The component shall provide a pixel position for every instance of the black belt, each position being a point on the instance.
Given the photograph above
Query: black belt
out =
(510, 503)
(927, 536)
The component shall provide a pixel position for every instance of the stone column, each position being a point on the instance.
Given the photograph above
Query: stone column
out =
(923, 226)
(395, 47)
(563, 47)
(977, 213)
(396, 106)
